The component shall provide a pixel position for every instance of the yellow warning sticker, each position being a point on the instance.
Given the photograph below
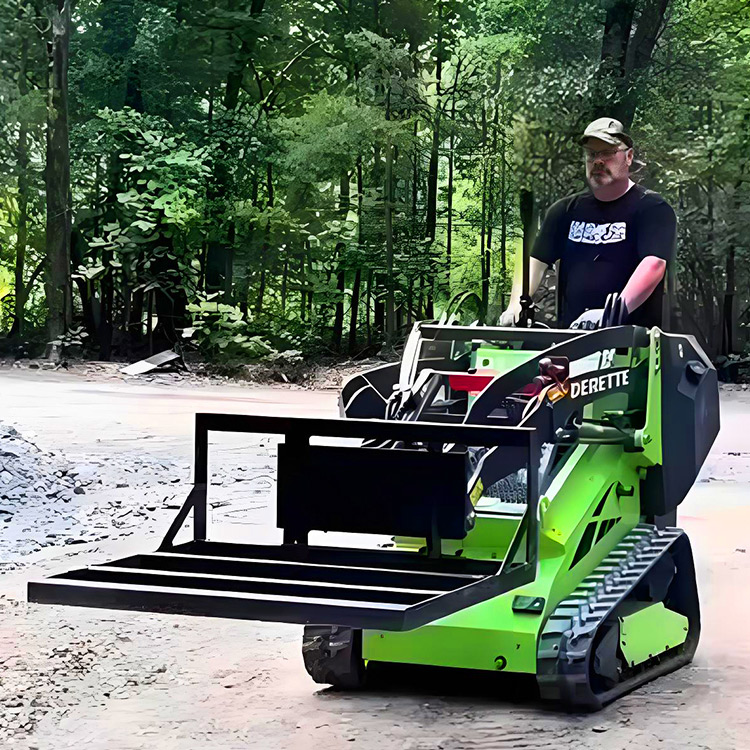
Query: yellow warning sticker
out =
(476, 493)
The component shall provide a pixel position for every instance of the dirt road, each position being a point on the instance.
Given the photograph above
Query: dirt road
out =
(79, 678)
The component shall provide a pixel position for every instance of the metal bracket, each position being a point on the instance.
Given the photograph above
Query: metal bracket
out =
(195, 501)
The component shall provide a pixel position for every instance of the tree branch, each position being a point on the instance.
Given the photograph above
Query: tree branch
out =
(270, 98)
(34, 276)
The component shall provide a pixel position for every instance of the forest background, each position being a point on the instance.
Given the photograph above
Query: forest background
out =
(267, 179)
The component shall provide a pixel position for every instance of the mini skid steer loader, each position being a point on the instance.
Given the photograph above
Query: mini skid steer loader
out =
(530, 479)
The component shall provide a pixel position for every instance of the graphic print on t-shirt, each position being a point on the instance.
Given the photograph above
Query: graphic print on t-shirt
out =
(596, 234)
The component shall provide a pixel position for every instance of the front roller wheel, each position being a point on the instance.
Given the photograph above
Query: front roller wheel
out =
(333, 656)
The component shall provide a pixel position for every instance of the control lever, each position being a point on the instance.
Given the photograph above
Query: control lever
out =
(594, 434)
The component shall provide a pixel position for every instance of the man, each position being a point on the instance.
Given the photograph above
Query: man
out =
(615, 237)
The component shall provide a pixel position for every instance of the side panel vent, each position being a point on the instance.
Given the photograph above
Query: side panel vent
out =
(585, 544)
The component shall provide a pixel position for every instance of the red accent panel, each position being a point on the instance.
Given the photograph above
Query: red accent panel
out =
(471, 383)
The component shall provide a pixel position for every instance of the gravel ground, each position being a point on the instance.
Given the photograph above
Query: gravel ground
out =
(72, 678)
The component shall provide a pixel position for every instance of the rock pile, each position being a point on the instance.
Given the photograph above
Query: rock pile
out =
(28, 474)
(50, 499)
(47, 499)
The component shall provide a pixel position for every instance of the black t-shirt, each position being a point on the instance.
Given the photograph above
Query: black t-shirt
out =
(600, 243)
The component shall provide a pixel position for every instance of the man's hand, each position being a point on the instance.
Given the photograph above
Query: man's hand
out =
(537, 269)
(510, 316)
(589, 320)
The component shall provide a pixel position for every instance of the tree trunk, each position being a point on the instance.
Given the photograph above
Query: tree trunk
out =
(368, 307)
(503, 222)
(265, 247)
(491, 205)
(354, 311)
(624, 54)
(310, 293)
(171, 303)
(302, 293)
(262, 281)
(126, 297)
(643, 41)
(483, 254)
(269, 184)
(432, 171)
(415, 176)
(338, 321)
(449, 227)
(57, 177)
(106, 291)
(135, 326)
(640, 52)
(358, 274)
(617, 27)
(711, 210)
(432, 183)
(526, 207)
(103, 317)
(22, 158)
(377, 166)
(235, 76)
(284, 282)
(409, 300)
(229, 263)
(379, 314)
(728, 312)
(390, 300)
(150, 322)
(245, 258)
(451, 167)
(77, 251)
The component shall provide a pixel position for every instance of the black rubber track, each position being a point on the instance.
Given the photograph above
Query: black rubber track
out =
(578, 664)
(333, 656)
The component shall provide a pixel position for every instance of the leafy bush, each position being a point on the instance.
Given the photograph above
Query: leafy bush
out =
(220, 331)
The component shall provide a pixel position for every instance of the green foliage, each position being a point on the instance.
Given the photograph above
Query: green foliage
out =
(149, 238)
(325, 140)
(228, 158)
(6, 281)
(221, 332)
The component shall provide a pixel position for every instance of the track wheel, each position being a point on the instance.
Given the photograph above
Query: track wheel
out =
(607, 666)
(333, 656)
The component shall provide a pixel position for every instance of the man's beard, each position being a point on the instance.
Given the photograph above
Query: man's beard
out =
(599, 177)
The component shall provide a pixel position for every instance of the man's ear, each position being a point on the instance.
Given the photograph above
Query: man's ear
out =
(629, 155)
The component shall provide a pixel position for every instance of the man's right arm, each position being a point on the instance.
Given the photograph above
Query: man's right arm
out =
(537, 269)
(545, 252)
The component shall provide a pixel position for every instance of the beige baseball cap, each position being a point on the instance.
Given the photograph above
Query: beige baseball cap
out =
(607, 129)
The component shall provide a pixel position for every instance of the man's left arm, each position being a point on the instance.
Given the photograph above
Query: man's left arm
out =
(643, 281)
(657, 234)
